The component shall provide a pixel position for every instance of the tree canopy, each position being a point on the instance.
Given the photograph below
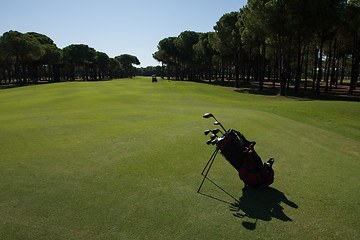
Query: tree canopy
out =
(307, 44)
(127, 62)
(30, 57)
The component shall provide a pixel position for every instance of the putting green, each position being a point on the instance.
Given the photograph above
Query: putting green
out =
(122, 159)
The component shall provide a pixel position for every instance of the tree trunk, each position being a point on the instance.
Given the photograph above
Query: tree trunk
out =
(288, 63)
(72, 72)
(262, 67)
(315, 67)
(276, 69)
(269, 72)
(332, 78)
(328, 61)
(337, 72)
(320, 66)
(326, 70)
(177, 69)
(306, 66)
(298, 67)
(281, 68)
(222, 69)
(342, 75)
(355, 64)
(56, 73)
(236, 63)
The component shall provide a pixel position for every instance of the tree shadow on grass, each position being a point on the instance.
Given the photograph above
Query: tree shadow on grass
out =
(263, 204)
(302, 95)
(265, 91)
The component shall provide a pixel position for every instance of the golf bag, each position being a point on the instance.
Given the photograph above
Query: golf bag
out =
(240, 153)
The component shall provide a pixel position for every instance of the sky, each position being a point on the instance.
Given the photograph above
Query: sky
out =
(114, 27)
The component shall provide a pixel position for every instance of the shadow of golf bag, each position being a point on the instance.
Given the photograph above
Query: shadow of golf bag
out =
(240, 153)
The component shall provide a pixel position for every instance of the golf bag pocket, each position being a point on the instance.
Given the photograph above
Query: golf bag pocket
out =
(253, 173)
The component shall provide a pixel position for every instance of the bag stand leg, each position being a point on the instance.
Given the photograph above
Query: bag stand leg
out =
(207, 166)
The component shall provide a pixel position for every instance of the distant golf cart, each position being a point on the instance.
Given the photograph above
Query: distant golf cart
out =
(154, 78)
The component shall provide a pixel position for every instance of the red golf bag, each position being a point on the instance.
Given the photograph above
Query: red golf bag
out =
(241, 155)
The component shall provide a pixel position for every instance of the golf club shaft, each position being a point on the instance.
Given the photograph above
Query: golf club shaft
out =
(219, 123)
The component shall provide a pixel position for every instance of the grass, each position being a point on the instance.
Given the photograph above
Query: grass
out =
(122, 160)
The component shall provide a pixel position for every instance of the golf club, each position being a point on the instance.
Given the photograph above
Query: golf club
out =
(216, 131)
(207, 132)
(209, 115)
(213, 136)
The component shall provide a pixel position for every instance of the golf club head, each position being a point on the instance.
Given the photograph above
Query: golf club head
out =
(207, 115)
(213, 142)
(208, 142)
(213, 136)
(207, 132)
(216, 123)
(215, 131)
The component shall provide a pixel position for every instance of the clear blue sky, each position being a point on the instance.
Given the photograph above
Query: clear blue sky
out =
(114, 26)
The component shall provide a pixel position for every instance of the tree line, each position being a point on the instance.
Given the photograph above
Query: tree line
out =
(149, 71)
(310, 44)
(31, 57)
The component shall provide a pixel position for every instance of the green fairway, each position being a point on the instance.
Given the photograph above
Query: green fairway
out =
(122, 159)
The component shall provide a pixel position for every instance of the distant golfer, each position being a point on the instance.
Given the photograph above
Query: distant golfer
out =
(154, 78)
